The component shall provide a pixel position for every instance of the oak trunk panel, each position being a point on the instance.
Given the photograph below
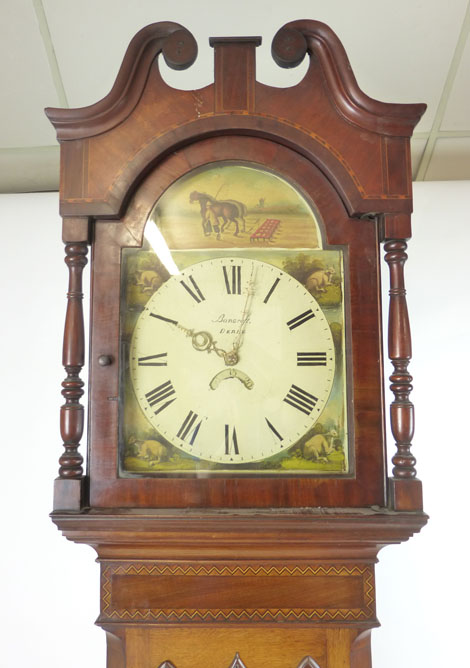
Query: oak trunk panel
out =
(242, 647)
(133, 591)
(267, 592)
(257, 648)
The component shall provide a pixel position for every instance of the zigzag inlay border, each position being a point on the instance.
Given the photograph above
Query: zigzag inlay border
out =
(238, 616)
(198, 570)
(204, 615)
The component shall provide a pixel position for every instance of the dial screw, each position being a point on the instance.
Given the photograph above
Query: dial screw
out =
(231, 358)
(105, 360)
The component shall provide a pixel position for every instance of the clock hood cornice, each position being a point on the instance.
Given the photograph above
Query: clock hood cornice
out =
(295, 39)
(289, 47)
(142, 120)
(179, 50)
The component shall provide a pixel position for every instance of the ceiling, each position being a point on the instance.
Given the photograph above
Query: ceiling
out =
(66, 53)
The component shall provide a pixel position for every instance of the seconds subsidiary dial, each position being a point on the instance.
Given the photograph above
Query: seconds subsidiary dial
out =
(232, 360)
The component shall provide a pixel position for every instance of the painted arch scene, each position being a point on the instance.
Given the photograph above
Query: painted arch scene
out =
(235, 206)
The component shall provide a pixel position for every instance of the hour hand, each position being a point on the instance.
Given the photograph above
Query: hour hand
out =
(203, 341)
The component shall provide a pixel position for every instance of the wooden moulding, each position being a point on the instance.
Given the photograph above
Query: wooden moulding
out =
(306, 575)
(234, 587)
(320, 534)
(294, 39)
(361, 145)
(179, 49)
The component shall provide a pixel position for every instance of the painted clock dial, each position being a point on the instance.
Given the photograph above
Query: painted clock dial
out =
(232, 360)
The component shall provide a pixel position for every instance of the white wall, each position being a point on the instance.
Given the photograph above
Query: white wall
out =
(50, 588)
(422, 585)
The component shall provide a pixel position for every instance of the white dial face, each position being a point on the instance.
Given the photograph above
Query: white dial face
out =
(232, 360)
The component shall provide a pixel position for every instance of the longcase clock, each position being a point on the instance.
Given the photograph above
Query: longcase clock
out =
(236, 487)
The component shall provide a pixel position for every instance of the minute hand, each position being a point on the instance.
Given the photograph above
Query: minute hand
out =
(246, 311)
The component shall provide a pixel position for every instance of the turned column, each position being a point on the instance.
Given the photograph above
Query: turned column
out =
(405, 490)
(68, 490)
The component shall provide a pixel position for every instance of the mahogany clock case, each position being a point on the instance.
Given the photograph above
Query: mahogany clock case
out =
(188, 562)
(365, 485)
(350, 157)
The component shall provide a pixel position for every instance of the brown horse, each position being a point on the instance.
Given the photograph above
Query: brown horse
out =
(229, 210)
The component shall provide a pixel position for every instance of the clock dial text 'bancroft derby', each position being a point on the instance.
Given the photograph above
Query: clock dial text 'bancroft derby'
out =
(232, 360)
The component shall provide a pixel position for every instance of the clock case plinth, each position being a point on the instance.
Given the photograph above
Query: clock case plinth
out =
(198, 587)
(211, 571)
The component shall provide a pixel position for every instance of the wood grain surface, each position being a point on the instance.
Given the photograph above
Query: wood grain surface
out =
(239, 572)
